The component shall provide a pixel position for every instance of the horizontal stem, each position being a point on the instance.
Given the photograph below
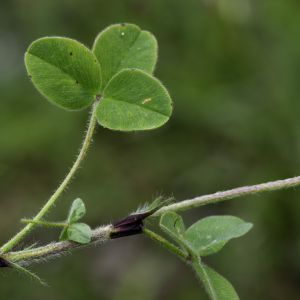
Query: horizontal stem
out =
(98, 235)
(230, 194)
(45, 223)
(102, 234)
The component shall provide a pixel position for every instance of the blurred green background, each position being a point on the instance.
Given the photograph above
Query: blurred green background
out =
(232, 68)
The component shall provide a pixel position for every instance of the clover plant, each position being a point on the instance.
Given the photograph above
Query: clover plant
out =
(116, 80)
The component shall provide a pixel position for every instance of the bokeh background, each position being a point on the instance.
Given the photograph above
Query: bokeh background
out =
(232, 68)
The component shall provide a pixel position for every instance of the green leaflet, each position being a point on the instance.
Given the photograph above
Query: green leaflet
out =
(123, 46)
(80, 233)
(211, 234)
(64, 71)
(217, 287)
(134, 100)
(77, 211)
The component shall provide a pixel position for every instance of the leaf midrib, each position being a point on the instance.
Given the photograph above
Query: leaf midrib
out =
(74, 78)
(129, 49)
(209, 282)
(117, 67)
(146, 108)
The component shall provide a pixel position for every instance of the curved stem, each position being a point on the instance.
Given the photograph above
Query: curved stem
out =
(62, 186)
(230, 194)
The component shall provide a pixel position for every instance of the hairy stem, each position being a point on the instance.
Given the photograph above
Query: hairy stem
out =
(45, 223)
(230, 194)
(103, 234)
(165, 243)
(99, 235)
(62, 186)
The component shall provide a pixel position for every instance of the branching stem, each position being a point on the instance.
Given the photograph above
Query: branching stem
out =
(102, 234)
(63, 185)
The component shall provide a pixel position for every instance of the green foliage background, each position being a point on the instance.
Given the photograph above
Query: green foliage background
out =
(232, 68)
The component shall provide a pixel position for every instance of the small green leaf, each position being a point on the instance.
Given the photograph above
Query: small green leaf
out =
(64, 71)
(77, 211)
(64, 234)
(216, 285)
(123, 46)
(173, 225)
(211, 234)
(134, 100)
(80, 233)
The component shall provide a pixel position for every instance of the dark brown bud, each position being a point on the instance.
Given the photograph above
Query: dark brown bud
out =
(130, 225)
(4, 263)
